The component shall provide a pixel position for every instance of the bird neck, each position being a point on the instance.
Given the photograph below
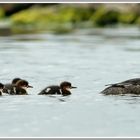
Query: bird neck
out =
(65, 92)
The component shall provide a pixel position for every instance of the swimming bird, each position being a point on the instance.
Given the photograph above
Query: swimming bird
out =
(1, 88)
(9, 86)
(131, 86)
(62, 89)
(19, 88)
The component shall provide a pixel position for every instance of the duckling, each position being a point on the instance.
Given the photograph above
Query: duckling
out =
(62, 89)
(20, 88)
(1, 88)
(9, 86)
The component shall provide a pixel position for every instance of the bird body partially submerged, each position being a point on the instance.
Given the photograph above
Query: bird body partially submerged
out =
(131, 86)
(63, 89)
(17, 87)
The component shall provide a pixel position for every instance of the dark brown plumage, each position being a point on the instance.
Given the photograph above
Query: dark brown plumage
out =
(131, 86)
(9, 87)
(1, 88)
(55, 89)
(18, 87)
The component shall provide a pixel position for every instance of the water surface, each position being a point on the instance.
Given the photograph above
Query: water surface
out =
(89, 59)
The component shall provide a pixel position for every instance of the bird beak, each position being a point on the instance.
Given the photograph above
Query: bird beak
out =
(73, 87)
(29, 86)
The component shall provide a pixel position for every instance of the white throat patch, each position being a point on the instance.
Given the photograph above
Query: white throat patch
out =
(68, 89)
(25, 88)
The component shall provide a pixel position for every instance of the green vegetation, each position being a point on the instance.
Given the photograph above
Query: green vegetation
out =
(65, 18)
(138, 21)
(128, 18)
(59, 19)
(2, 13)
(103, 17)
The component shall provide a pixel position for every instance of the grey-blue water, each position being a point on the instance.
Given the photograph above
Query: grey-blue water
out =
(89, 59)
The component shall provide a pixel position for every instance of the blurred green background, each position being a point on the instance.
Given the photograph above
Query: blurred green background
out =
(64, 18)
